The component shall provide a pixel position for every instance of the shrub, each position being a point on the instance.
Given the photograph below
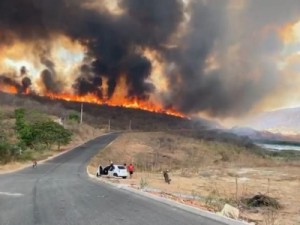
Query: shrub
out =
(7, 152)
(26, 155)
(73, 116)
(143, 183)
(23, 129)
(50, 133)
(41, 132)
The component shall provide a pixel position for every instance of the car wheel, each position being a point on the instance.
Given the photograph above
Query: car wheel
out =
(115, 174)
(124, 177)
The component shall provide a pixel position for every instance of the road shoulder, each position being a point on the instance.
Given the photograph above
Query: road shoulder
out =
(167, 201)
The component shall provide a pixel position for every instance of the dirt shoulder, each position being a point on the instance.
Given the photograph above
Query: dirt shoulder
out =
(206, 175)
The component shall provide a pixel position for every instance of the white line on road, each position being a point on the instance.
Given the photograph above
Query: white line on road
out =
(11, 194)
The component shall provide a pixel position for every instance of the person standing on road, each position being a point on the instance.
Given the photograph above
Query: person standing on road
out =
(130, 169)
(34, 164)
(111, 164)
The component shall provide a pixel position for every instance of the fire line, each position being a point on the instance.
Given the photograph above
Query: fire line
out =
(133, 103)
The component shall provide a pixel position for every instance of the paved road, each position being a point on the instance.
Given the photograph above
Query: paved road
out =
(59, 192)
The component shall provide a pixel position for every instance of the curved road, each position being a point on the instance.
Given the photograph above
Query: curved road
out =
(59, 192)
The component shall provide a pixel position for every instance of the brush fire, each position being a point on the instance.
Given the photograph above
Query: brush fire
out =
(52, 78)
(172, 57)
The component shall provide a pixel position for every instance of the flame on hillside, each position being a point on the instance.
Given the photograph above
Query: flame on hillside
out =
(55, 72)
(94, 99)
(8, 89)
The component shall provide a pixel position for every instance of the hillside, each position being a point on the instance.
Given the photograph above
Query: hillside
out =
(205, 173)
(284, 121)
(99, 115)
(159, 150)
(30, 134)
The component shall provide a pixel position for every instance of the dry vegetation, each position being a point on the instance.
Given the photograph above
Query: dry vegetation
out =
(156, 151)
(81, 133)
(210, 173)
(98, 116)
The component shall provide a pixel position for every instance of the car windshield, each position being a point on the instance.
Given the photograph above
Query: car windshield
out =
(121, 167)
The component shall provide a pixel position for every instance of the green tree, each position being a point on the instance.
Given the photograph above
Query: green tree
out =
(4, 152)
(20, 119)
(23, 128)
(2, 129)
(38, 130)
(8, 152)
(50, 133)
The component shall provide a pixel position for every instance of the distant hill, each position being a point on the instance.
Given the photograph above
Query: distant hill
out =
(284, 121)
(257, 135)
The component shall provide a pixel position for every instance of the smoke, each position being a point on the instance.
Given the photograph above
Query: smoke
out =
(226, 62)
(8, 81)
(87, 83)
(49, 76)
(114, 42)
(20, 87)
(221, 61)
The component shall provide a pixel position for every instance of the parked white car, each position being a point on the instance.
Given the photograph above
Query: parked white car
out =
(113, 171)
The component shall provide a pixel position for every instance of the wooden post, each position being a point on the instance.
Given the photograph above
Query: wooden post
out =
(109, 125)
(81, 113)
(236, 189)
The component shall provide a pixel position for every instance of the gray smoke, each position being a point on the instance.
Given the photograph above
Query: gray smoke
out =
(244, 52)
(244, 72)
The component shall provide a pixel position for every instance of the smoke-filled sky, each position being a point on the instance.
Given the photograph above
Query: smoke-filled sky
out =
(224, 58)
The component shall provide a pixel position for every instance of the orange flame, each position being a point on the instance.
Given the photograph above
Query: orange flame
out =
(8, 88)
(133, 103)
(127, 103)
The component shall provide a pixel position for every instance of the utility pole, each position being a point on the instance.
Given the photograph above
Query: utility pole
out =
(109, 125)
(81, 113)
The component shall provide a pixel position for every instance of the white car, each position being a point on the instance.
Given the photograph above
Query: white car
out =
(113, 171)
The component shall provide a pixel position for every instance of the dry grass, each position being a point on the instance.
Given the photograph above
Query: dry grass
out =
(210, 170)
(156, 151)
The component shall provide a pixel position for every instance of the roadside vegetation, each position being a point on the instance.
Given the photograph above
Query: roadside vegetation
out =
(27, 135)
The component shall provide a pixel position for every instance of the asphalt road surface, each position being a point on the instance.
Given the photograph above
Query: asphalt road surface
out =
(59, 192)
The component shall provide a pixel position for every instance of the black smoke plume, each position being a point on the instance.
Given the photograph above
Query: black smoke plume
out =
(20, 87)
(113, 41)
(115, 45)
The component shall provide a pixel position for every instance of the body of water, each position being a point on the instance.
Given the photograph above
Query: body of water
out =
(277, 147)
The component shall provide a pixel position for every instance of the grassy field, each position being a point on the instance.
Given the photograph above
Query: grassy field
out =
(211, 173)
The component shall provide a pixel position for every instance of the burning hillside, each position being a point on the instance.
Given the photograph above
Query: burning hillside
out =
(180, 57)
(8, 86)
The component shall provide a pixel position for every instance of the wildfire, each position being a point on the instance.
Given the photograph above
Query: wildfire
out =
(62, 61)
(8, 88)
(133, 103)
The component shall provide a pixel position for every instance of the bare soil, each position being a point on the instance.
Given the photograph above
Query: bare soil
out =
(207, 175)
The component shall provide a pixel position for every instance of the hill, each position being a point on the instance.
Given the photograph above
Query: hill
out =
(205, 172)
(284, 121)
(100, 115)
